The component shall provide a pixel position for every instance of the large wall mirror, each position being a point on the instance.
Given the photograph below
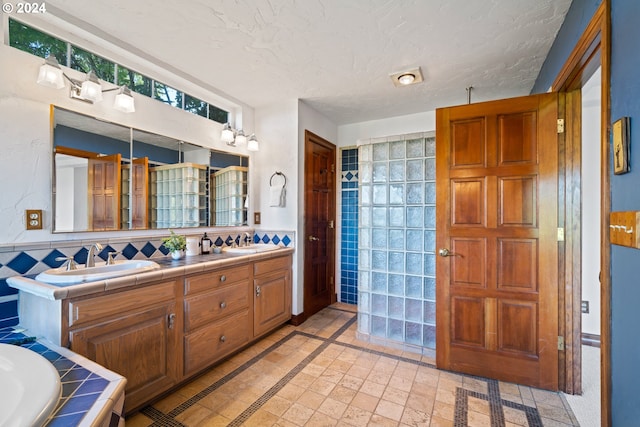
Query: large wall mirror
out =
(112, 177)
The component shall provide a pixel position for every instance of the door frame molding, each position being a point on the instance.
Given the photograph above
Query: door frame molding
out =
(593, 49)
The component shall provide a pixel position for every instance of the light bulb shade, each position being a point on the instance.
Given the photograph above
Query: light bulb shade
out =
(50, 73)
(241, 138)
(227, 134)
(124, 101)
(91, 89)
(252, 143)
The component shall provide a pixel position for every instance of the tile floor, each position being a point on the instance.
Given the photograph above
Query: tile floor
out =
(318, 374)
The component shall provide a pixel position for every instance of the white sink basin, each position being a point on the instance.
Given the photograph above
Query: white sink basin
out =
(251, 249)
(60, 276)
(30, 387)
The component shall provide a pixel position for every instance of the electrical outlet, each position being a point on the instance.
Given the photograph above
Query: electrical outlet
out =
(256, 217)
(585, 307)
(34, 219)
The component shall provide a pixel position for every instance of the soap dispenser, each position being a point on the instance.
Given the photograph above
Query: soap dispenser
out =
(205, 244)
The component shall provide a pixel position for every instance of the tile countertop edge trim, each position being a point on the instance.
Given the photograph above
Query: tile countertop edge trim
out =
(101, 410)
(52, 292)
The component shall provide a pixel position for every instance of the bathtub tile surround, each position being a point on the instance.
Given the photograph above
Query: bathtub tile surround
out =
(396, 258)
(87, 388)
(349, 227)
(33, 258)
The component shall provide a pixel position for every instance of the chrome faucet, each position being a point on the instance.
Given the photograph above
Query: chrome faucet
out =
(247, 238)
(91, 262)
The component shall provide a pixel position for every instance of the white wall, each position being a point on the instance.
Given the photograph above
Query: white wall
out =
(591, 203)
(348, 135)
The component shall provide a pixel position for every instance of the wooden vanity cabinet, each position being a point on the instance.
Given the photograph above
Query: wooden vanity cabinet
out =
(134, 333)
(160, 334)
(217, 315)
(271, 294)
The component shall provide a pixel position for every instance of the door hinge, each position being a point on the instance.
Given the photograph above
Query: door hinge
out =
(330, 224)
(560, 234)
(331, 280)
(560, 343)
(333, 168)
(560, 125)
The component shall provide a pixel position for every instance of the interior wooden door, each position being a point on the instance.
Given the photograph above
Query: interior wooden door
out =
(104, 192)
(319, 213)
(139, 193)
(497, 209)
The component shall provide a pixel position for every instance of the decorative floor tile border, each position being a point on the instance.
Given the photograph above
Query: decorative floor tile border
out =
(493, 396)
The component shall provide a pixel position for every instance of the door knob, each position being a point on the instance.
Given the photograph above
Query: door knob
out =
(313, 239)
(444, 252)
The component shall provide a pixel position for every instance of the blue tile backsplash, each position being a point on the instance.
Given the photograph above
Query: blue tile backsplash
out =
(33, 258)
(349, 227)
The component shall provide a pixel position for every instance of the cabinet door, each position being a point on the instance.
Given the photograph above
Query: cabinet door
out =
(141, 346)
(272, 301)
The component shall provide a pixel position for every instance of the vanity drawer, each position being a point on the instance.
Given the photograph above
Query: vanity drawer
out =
(209, 344)
(105, 306)
(210, 306)
(267, 266)
(223, 276)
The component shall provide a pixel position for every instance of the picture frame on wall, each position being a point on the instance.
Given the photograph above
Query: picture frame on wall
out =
(621, 142)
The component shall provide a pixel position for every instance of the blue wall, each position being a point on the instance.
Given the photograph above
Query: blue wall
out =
(625, 262)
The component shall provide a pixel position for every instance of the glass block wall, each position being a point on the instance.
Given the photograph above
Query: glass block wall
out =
(349, 227)
(396, 267)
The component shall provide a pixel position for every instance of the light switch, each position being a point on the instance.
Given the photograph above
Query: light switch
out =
(34, 219)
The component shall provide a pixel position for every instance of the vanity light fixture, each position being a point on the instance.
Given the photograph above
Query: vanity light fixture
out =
(88, 90)
(124, 100)
(51, 74)
(228, 134)
(252, 143)
(241, 138)
(236, 137)
(407, 77)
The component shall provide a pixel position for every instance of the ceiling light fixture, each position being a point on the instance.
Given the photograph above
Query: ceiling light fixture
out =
(407, 77)
(87, 90)
(236, 137)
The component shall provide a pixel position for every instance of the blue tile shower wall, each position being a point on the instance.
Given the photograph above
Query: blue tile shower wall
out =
(349, 225)
(33, 258)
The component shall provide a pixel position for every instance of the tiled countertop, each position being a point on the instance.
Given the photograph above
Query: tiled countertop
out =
(169, 268)
(91, 395)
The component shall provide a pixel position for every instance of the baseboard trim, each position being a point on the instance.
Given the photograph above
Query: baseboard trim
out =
(298, 319)
(592, 340)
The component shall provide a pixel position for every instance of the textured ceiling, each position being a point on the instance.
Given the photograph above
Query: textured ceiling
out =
(337, 55)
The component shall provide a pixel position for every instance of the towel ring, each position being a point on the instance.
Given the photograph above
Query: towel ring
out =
(282, 175)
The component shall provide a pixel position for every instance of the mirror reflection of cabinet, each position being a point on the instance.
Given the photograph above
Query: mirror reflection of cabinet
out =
(134, 199)
(121, 195)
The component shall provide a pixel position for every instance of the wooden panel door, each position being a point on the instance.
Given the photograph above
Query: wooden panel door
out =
(319, 213)
(272, 301)
(497, 208)
(104, 192)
